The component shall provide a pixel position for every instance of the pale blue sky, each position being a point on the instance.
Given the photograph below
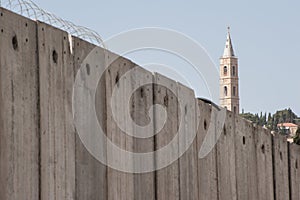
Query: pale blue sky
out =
(265, 34)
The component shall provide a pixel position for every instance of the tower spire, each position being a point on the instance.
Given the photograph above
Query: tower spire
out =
(228, 51)
(229, 78)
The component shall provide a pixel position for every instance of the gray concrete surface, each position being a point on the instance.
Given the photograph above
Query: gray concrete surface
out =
(42, 157)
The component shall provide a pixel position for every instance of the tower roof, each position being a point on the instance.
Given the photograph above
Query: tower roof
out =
(228, 51)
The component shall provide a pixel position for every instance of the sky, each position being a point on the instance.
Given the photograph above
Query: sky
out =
(265, 36)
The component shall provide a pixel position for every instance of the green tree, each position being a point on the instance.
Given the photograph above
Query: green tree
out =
(248, 116)
(290, 115)
(297, 137)
(256, 119)
(270, 121)
(280, 116)
(264, 119)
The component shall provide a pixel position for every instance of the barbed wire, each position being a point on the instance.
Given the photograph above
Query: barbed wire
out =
(31, 10)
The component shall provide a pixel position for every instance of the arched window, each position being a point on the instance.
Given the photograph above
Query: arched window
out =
(225, 71)
(225, 91)
(234, 91)
(233, 71)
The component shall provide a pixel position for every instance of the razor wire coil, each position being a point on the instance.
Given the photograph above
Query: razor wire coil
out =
(31, 10)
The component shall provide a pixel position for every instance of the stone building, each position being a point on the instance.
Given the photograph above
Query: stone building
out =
(289, 129)
(229, 79)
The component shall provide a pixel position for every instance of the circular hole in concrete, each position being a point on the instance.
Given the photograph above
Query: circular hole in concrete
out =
(142, 92)
(26, 24)
(263, 149)
(26, 39)
(87, 69)
(15, 42)
(54, 56)
(166, 101)
(2, 30)
(117, 78)
(280, 154)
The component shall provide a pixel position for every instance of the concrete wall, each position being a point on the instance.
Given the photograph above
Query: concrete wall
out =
(42, 157)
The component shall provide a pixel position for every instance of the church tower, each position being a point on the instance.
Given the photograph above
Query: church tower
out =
(229, 79)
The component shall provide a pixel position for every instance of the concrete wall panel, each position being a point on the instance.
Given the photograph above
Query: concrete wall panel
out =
(207, 167)
(91, 175)
(280, 164)
(295, 171)
(167, 179)
(19, 110)
(120, 184)
(226, 160)
(141, 105)
(188, 161)
(57, 130)
(263, 144)
(246, 169)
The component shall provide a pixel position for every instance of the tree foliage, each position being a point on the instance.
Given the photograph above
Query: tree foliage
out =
(271, 121)
(297, 137)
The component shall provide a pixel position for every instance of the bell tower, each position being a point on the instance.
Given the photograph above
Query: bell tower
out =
(229, 79)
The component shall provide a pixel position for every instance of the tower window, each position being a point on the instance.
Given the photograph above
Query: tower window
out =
(225, 91)
(234, 91)
(233, 71)
(225, 71)
(234, 110)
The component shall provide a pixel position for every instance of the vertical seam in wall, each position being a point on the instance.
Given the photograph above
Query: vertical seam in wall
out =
(273, 168)
(105, 74)
(64, 99)
(55, 168)
(235, 156)
(289, 170)
(154, 140)
(39, 113)
(256, 146)
(217, 168)
(75, 130)
(106, 118)
(197, 148)
(177, 129)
